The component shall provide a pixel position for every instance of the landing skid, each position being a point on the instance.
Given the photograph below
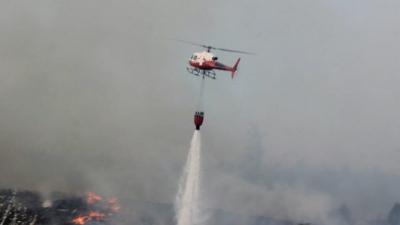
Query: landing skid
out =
(204, 73)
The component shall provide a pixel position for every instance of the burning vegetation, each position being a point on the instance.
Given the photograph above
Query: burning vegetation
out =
(29, 208)
(98, 209)
(23, 207)
(91, 216)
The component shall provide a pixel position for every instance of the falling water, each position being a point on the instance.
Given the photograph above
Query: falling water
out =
(187, 205)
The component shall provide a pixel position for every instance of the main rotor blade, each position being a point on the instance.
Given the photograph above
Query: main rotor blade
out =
(214, 48)
(236, 51)
(192, 43)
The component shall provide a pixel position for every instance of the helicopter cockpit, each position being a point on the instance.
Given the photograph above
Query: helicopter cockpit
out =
(203, 56)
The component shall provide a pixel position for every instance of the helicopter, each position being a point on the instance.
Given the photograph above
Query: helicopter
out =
(205, 63)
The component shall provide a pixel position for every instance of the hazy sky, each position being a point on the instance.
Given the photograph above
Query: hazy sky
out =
(94, 95)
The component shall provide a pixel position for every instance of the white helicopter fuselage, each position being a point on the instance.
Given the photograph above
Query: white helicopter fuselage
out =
(206, 61)
(199, 58)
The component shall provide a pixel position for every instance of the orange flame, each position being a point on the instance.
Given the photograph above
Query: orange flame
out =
(93, 215)
(93, 198)
(114, 205)
(80, 220)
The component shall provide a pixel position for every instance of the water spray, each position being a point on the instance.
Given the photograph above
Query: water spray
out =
(187, 203)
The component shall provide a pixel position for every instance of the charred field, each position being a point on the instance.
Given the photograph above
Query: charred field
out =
(30, 207)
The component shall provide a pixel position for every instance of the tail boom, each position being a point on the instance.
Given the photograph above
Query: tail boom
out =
(234, 68)
(220, 66)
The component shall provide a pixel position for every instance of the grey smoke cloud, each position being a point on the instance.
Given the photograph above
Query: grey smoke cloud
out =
(94, 96)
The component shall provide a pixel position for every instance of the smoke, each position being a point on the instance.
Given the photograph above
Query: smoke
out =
(72, 98)
(279, 201)
(93, 97)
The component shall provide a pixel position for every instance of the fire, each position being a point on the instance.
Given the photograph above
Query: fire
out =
(99, 208)
(80, 220)
(93, 215)
(114, 205)
(93, 198)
